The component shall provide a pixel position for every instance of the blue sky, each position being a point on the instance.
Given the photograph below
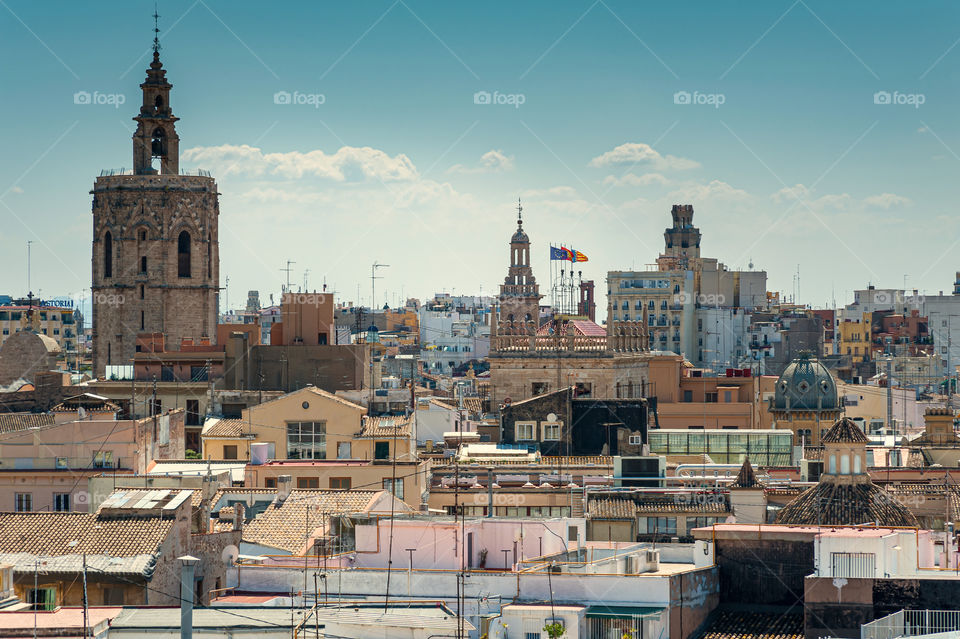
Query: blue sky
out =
(799, 166)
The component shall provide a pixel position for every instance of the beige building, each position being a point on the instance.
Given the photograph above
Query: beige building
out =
(308, 424)
(666, 295)
(686, 399)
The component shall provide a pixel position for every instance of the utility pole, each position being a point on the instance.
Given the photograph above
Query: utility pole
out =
(86, 607)
(226, 291)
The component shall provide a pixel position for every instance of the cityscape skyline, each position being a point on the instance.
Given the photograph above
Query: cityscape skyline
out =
(399, 159)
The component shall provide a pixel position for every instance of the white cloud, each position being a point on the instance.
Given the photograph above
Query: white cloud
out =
(492, 161)
(790, 194)
(643, 154)
(631, 179)
(887, 200)
(16, 189)
(567, 192)
(714, 191)
(348, 164)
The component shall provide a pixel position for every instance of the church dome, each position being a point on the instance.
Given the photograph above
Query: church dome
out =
(805, 384)
(520, 236)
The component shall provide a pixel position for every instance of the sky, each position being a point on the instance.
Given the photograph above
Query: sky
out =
(811, 137)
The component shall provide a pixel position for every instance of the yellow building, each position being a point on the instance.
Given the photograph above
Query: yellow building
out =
(853, 338)
(56, 322)
(309, 424)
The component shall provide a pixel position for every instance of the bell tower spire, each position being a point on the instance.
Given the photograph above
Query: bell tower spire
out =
(156, 134)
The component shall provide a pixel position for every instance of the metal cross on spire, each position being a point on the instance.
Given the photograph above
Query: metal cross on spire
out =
(156, 29)
(519, 213)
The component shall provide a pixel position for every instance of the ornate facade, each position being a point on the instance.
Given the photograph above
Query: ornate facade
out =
(529, 358)
(156, 259)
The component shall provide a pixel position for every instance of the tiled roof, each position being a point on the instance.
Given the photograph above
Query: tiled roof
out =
(580, 327)
(386, 427)
(844, 431)
(728, 624)
(684, 504)
(285, 525)
(224, 428)
(15, 422)
(123, 545)
(474, 405)
(612, 509)
(831, 504)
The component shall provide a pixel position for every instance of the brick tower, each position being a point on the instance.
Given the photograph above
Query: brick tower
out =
(156, 262)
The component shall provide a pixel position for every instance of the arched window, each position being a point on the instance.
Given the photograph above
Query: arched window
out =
(158, 143)
(158, 103)
(857, 468)
(833, 464)
(183, 254)
(209, 257)
(108, 255)
(845, 464)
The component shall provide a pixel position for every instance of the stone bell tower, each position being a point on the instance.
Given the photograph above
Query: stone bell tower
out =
(156, 261)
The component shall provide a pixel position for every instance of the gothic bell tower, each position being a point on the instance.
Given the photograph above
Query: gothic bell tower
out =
(156, 134)
(156, 259)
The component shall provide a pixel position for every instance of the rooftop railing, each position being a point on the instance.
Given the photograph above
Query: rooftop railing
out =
(911, 623)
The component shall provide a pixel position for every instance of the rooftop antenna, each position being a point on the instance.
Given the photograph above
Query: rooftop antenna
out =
(287, 270)
(156, 30)
(306, 272)
(373, 283)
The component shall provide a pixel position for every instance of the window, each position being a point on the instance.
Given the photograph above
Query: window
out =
(61, 502)
(833, 464)
(230, 451)
(551, 432)
(141, 235)
(108, 255)
(845, 464)
(270, 482)
(340, 483)
(344, 450)
(688, 396)
(636, 440)
(662, 525)
(193, 412)
(711, 398)
(103, 459)
(397, 490)
(183, 254)
(539, 388)
(308, 482)
(307, 440)
(143, 292)
(42, 598)
(24, 502)
(62, 463)
(143, 264)
(726, 397)
(381, 450)
(523, 431)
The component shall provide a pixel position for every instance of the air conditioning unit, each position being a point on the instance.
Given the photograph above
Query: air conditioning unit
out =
(647, 472)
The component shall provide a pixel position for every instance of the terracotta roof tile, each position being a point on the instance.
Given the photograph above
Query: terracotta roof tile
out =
(728, 624)
(291, 524)
(612, 509)
(224, 428)
(15, 422)
(845, 430)
(386, 427)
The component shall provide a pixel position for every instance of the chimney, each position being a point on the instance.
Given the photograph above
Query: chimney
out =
(188, 565)
(284, 485)
(238, 511)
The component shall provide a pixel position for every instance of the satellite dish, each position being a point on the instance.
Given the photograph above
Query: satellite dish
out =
(229, 555)
(552, 417)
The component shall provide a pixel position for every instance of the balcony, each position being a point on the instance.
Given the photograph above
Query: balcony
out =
(912, 623)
